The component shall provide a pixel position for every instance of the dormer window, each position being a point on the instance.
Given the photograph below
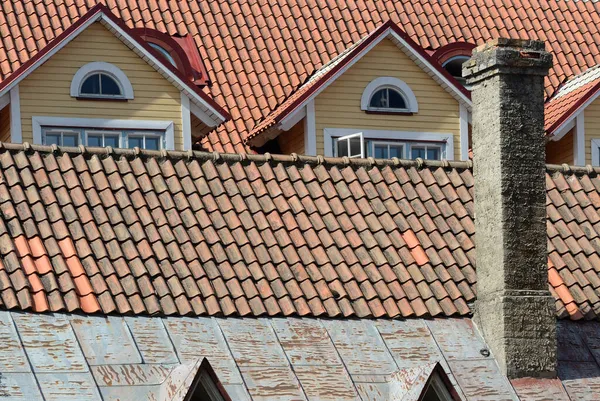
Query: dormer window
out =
(388, 95)
(100, 85)
(454, 67)
(100, 80)
(386, 99)
(163, 52)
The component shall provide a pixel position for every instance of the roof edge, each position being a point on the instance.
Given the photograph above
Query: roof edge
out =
(293, 158)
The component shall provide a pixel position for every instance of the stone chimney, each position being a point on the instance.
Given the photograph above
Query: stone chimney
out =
(514, 309)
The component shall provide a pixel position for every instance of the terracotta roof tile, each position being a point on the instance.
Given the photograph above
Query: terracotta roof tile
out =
(359, 261)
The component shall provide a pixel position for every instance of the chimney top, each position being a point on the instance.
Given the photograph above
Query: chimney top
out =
(507, 56)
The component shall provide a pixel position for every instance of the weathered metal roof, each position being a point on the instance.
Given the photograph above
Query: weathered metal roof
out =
(69, 357)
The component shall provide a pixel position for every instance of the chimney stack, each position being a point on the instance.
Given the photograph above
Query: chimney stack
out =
(514, 309)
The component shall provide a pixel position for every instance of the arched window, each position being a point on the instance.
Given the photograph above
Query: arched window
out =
(100, 84)
(163, 52)
(454, 67)
(388, 94)
(387, 98)
(100, 80)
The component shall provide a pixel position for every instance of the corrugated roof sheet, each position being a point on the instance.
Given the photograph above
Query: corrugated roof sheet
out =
(258, 54)
(212, 234)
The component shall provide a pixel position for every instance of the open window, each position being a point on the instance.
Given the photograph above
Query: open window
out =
(351, 146)
(368, 144)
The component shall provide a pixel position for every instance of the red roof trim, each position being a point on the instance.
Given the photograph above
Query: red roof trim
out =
(445, 53)
(352, 55)
(573, 109)
(100, 9)
(187, 62)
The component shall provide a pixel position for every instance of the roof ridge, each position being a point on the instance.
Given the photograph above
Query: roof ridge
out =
(293, 158)
(577, 81)
(235, 157)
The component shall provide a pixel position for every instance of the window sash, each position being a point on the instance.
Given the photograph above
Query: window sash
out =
(348, 139)
(83, 135)
(100, 94)
(368, 147)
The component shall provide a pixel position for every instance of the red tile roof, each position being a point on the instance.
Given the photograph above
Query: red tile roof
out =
(570, 98)
(258, 54)
(210, 234)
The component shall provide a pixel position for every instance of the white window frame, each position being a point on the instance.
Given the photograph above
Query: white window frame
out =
(375, 142)
(446, 140)
(439, 388)
(88, 132)
(595, 144)
(388, 109)
(144, 135)
(104, 124)
(62, 130)
(101, 67)
(412, 106)
(362, 144)
(426, 145)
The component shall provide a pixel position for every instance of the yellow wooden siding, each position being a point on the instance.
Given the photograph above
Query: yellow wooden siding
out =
(292, 141)
(5, 124)
(46, 92)
(591, 116)
(338, 106)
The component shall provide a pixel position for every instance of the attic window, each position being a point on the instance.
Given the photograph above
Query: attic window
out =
(436, 390)
(100, 80)
(387, 99)
(164, 52)
(100, 84)
(389, 95)
(454, 67)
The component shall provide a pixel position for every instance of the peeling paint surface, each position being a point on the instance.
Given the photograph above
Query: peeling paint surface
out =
(72, 357)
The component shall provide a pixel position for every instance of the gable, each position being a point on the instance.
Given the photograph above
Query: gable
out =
(155, 97)
(338, 106)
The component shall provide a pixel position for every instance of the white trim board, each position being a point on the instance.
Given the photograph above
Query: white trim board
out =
(579, 141)
(16, 134)
(330, 133)
(464, 132)
(215, 117)
(186, 122)
(310, 130)
(99, 67)
(100, 123)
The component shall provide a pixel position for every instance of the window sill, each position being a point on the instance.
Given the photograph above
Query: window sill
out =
(103, 99)
(391, 112)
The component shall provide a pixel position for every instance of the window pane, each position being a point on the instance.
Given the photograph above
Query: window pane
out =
(152, 143)
(111, 140)
(396, 101)
(342, 148)
(380, 152)
(94, 140)
(433, 154)
(91, 85)
(396, 151)
(379, 99)
(52, 139)
(69, 140)
(135, 141)
(355, 146)
(417, 152)
(110, 86)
